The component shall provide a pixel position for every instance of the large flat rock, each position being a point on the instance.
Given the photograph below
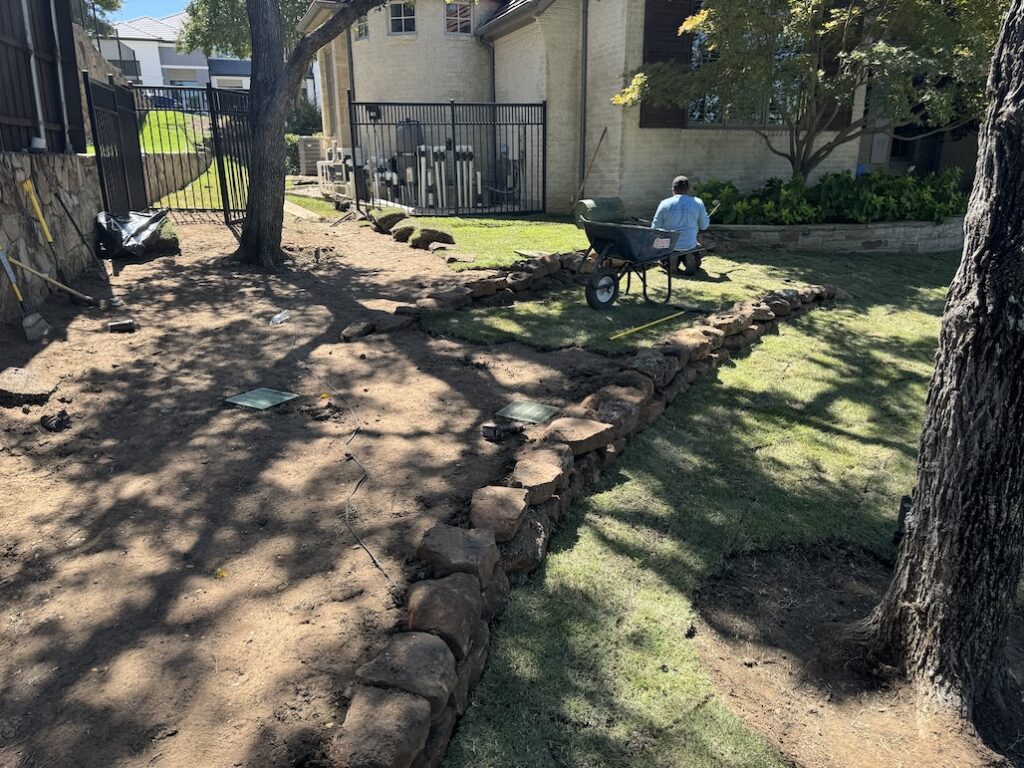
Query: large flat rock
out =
(448, 549)
(383, 729)
(449, 608)
(581, 435)
(23, 386)
(499, 510)
(414, 662)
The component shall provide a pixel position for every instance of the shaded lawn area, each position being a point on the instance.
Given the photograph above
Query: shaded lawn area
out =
(494, 241)
(204, 192)
(317, 205)
(811, 438)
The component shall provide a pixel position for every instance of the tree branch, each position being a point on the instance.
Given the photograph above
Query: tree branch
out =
(307, 46)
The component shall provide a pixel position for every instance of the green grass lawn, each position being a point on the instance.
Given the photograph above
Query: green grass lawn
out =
(494, 241)
(563, 318)
(169, 131)
(812, 437)
(317, 205)
(204, 192)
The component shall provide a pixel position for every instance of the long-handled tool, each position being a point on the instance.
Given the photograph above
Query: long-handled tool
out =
(101, 303)
(35, 327)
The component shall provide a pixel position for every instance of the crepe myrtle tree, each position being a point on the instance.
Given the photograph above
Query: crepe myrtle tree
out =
(267, 32)
(789, 68)
(945, 616)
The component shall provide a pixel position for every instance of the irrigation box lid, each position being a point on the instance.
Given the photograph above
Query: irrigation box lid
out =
(531, 413)
(261, 399)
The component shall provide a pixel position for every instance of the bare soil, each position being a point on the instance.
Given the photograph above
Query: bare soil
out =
(180, 581)
(770, 631)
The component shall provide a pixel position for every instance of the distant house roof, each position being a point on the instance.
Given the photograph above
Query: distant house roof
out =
(512, 15)
(147, 28)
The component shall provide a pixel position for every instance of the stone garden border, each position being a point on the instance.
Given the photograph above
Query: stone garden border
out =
(406, 701)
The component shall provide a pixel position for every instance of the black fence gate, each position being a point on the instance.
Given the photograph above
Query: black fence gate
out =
(450, 159)
(176, 147)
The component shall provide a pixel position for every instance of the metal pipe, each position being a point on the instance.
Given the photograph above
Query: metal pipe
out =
(584, 63)
(68, 149)
(33, 66)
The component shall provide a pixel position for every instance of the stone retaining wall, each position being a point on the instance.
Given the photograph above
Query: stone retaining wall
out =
(895, 236)
(76, 178)
(170, 171)
(406, 700)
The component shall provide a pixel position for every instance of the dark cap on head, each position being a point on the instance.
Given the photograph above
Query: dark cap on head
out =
(680, 184)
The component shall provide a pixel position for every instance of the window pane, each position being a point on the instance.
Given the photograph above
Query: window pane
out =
(458, 18)
(403, 18)
(362, 28)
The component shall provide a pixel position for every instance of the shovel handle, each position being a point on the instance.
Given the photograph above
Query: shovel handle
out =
(10, 276)
(51, 281)
(30, 190)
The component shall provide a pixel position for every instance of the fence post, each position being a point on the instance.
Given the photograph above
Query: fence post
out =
(544, 157)
(454, 156)
(218, 152)
(95, 138)
(355, 140)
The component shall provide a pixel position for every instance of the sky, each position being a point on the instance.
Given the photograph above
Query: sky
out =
(132, 9)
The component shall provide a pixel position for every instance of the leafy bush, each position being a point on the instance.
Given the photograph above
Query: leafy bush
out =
(304, 119)
(291, 158)
(840, 198)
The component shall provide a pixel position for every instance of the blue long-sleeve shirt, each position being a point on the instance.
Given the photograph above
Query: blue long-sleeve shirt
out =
(683, 214)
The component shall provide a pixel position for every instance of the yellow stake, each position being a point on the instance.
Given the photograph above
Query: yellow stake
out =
(30, 190)
(623, 334)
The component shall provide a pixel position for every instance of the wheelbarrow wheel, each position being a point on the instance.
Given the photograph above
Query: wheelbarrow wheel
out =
(603, 288)
(691, 263)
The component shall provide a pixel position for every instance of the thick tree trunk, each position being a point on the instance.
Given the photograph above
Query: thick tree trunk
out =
(274, 86)
(945, 615)
(264, 214)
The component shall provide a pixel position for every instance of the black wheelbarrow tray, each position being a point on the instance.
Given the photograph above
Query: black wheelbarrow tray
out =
(624, 250)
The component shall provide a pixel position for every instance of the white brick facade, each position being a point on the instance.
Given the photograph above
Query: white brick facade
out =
(539, 58)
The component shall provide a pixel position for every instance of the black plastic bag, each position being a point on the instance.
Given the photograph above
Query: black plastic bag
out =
(128, 236)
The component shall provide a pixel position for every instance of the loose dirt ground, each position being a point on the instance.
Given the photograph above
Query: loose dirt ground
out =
(179, 581)
(770, 633)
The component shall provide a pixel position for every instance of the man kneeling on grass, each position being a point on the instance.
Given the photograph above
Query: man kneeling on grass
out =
(682, 213)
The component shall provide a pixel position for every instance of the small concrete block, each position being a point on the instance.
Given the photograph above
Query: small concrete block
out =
(499, 510)
(414, 662)
(448, 608)
(448, 549)
(382, 729)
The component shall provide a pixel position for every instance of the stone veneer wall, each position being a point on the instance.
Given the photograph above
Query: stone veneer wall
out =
(76, 178)
(893, 236)
(169, 172)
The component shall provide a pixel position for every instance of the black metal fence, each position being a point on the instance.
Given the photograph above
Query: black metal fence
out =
(176, 147)
(450, 159)
(115, 135)
(39, 96)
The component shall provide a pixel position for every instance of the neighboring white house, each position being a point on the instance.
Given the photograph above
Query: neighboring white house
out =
(159, 63)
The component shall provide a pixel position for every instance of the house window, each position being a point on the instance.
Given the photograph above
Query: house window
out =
(663, 44)
(403, 18)
(458, 18)
(362, 28)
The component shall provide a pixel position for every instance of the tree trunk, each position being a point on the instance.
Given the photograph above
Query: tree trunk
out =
(264, 213)
(945, 615)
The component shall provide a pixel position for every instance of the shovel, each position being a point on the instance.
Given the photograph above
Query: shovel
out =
(35, 327)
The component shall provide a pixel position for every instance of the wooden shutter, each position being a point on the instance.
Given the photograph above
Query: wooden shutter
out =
(662, 43)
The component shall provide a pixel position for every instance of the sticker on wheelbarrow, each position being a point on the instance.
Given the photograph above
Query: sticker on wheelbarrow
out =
(663, 242)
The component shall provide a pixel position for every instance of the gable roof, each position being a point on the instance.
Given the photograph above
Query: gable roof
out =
(148, 28)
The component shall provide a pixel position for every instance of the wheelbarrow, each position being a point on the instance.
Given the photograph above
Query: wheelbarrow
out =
(628, 250)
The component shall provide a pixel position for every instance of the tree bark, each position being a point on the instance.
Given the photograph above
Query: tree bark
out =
(275, 82)
(945, 615)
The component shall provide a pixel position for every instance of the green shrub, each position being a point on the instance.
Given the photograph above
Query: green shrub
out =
(304, 119)
(291, 157)
(840, 198)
